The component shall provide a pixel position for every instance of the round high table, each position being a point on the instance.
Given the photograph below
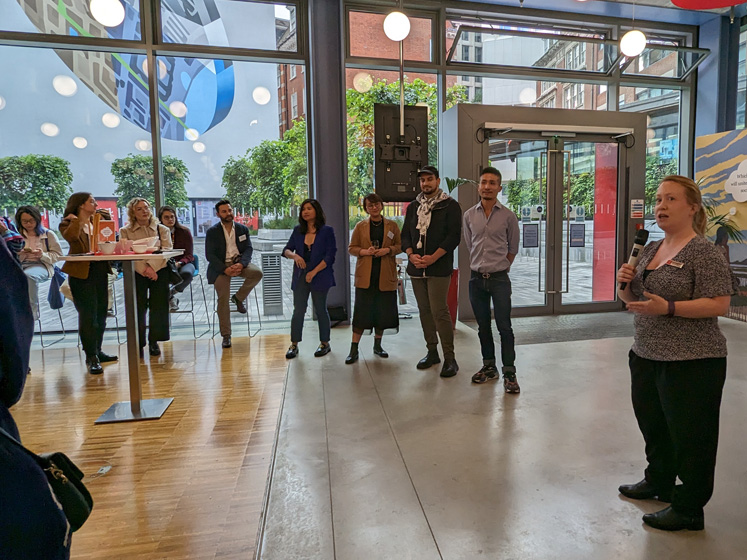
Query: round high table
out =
(136, 408)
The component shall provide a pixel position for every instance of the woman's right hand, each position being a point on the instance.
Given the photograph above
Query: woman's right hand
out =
(300, 263)
(626, 273)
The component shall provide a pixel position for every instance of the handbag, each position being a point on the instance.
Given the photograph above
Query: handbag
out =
(174, 277)
(65, 479)
(54, 297)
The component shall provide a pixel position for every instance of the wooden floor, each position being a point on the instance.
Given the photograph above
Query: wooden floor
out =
(190, 485)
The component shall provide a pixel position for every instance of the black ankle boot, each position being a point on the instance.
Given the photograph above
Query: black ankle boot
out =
(378, 350)
(353, 355)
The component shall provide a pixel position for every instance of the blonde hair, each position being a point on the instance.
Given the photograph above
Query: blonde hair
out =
(692, 193)
(131, 209)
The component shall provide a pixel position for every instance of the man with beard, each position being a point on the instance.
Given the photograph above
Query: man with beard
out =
(228, 250)
(430, 234)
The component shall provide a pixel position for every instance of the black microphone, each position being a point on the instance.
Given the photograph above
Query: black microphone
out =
(639, 242)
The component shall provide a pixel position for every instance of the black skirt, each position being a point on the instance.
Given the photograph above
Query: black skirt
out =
(375, 309)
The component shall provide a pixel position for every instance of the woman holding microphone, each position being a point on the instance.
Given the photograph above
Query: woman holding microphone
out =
(678, 361)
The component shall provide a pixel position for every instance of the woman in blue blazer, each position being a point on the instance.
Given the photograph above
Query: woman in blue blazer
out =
(312, 247)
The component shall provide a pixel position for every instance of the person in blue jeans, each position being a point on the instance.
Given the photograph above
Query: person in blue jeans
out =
(491, 232)
(312, 247)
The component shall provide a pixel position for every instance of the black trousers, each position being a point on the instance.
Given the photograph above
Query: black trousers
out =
(677, 405)
(153, 298)
(91, 299)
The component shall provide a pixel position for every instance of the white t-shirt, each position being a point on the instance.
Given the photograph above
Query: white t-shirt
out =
(231, 249)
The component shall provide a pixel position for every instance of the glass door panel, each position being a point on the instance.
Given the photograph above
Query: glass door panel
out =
(523, 165)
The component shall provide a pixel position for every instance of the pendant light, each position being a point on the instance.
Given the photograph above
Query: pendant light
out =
(634, 41)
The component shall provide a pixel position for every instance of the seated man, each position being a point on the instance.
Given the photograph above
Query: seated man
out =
(229, 253)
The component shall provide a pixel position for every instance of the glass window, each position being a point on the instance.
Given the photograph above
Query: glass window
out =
(294, 105)
(292, 71)
(367, 38)
(741, 80)
(77, 110)
(120, 21)
(662, 107)
(662, 58)
(223, 23)
(465, 53)
(529, 93)
(478, 54)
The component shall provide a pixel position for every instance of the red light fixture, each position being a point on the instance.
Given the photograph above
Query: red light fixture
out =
(706, 4)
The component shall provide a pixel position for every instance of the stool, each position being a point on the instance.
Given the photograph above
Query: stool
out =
(236, 283)
(191, 308)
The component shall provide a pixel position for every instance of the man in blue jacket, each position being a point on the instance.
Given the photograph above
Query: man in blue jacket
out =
(430, 234)
(229, 253)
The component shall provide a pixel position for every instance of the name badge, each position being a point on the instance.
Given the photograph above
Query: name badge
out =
(242, 237)
(676, 264)
(390, 235)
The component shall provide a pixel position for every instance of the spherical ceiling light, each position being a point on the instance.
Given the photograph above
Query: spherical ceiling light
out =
(527, 96)
(50, 129)
(396, 26)
(109, 13)
(142, 145)
(192, 134)
(64, 85)
(633, 43)
(2, 103)
(261, 95)
(80, 142)
(178, 109)
(362, 82)
(198, 147)
(110, 120)
(162, 70)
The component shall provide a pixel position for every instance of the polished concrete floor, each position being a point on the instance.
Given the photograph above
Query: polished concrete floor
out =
(379, 460)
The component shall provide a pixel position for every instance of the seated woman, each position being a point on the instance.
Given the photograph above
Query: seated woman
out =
(152, 278)
(39, 254)
(181, 237)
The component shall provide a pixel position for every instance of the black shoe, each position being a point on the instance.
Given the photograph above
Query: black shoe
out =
(380, 352)
(671, 520)
(430, 359)
(292, 352)
(644, 490)
(240, 307)
(94, 366)
(450, 368)
(107, 357)
(153, 349)
(352, 357)
(226, 341)
(322, 350)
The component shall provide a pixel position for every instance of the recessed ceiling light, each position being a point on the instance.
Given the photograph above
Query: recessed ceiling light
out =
(64, 85)
(109, 13)
(110, 120)
(178, 109)
(80, 142)
(261, 95)
(50, 129)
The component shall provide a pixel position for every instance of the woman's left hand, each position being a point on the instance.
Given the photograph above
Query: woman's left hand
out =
(654, 305)
(381, 252)
(310, 276)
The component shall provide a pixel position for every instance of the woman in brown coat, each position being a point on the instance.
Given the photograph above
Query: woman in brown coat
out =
(88, 280)
(375, 242)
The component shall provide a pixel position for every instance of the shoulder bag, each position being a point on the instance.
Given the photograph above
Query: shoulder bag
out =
(64, 477)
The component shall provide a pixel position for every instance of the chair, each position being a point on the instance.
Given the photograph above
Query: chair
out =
(236, 283)
(41, 328)
(402, 285)
(191, 308)
(115, 309)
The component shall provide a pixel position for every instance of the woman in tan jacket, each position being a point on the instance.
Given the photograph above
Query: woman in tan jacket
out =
(88, 280)
(375, 242)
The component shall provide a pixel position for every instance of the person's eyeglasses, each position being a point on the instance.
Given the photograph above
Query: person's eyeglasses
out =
(30, 222)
